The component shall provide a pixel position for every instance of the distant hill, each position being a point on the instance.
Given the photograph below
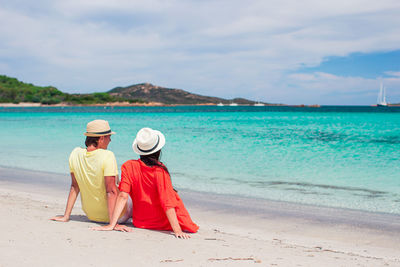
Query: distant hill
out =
(153, 93)
(15, 91)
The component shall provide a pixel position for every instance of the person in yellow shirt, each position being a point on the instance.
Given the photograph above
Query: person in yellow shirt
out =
(94, 173)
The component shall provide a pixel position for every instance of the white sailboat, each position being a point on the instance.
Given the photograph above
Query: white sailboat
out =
(381, 101)
(258, 104)
(220, 104)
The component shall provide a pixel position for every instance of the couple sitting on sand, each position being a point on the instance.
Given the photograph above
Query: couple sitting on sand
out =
(145, 192)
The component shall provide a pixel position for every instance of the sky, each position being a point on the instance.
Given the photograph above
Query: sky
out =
(276, 51)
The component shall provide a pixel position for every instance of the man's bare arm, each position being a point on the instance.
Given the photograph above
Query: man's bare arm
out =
(112, 193)
(73, 194)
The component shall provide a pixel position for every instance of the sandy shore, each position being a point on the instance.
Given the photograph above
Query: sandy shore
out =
(113, 104)
(233, 232)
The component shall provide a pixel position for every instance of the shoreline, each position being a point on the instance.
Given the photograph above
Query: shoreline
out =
(127, 104)
(227, 202)
(233, 230)
(157, 104)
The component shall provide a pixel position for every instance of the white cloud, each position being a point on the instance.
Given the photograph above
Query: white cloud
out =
(224, 48)
(393, 73)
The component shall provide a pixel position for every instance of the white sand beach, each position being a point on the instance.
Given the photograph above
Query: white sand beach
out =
(233, 232)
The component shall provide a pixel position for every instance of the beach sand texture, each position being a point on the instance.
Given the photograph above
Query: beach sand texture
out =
(233, 232)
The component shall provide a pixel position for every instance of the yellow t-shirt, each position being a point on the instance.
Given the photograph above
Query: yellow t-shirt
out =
(89, 169)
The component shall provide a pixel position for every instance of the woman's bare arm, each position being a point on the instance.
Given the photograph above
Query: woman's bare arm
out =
(173, 220)
(119, 207)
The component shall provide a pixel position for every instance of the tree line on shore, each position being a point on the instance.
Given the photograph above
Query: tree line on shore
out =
(15, 91)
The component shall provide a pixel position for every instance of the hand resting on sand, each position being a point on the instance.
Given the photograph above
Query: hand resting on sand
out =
(181, 235)
(60, 218)
(109, 227)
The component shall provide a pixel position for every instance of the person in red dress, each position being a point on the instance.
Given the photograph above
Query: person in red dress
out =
(156, 205)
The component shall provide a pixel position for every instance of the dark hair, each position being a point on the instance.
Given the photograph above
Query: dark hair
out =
(153, 160)
(91, 140)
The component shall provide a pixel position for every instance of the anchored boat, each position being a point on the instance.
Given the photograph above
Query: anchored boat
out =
(381, 102)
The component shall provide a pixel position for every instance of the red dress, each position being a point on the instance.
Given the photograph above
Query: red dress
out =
(152, 194)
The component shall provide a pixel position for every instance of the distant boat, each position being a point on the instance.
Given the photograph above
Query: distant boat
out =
(220, 104)
(258, 104)
(233, 104)
(381, 102)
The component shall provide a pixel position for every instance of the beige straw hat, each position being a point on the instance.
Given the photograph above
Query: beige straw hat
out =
(98, 128)
(148, 141)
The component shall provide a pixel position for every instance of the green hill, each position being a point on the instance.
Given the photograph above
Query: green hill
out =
(14, 91)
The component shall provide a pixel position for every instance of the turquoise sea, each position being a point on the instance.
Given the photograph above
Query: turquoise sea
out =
(346, 157)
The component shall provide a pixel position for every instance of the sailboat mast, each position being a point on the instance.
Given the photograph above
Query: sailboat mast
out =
(384, 94)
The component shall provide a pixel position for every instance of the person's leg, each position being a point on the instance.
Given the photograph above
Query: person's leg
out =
(127, 213)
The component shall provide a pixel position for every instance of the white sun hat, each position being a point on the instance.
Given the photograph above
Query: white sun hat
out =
(148, 141)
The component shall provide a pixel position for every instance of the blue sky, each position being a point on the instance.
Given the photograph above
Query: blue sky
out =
(294, 52)
(370, 65)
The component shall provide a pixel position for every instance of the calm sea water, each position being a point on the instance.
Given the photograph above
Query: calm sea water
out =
(345, 157)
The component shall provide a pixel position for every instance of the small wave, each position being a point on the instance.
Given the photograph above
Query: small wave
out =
(325, 136)
(333, 187)
(387, 140)
(315, 189)
(307, 192)
(295, 186)
(370, 196)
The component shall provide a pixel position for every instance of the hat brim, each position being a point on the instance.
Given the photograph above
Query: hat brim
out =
(98, 135)
(160, 145)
